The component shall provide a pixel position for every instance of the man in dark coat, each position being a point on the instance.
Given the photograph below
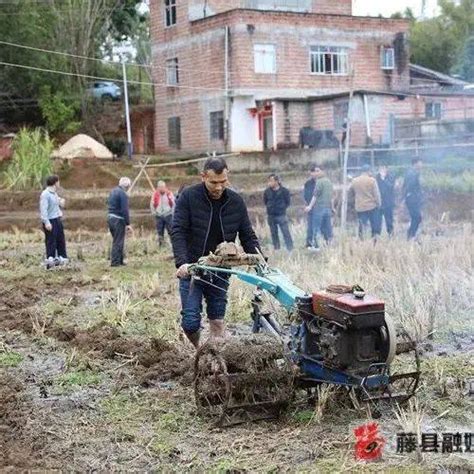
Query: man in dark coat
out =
(308, 193)
(277, 200)
(386, 184)
(119, 220)
(206, 215)
(413, 196)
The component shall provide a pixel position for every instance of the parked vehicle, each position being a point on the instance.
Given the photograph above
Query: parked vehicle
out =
(104, 90)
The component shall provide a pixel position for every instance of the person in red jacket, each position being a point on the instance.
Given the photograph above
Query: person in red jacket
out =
(162, 206)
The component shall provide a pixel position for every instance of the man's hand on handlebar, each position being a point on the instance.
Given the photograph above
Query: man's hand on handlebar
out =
(183, 271)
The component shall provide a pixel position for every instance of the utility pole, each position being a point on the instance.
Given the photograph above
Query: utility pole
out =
(127, 111)
(346, 159)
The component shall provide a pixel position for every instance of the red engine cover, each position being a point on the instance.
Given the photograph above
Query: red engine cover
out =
(346, 302)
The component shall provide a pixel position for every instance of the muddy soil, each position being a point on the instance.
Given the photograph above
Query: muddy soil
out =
(17, 452)
(160, 359)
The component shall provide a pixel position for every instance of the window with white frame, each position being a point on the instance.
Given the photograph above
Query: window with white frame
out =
(329, 60)
(433, 110)
(387, 57)
(170, 12)
(265, 58)
(172, 72)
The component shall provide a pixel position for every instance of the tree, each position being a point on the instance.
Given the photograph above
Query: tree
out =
(465, 65)
(437, 43)
(79, 27)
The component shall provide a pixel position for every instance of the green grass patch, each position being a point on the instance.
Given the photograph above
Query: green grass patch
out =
(79, 378)
(10, 359)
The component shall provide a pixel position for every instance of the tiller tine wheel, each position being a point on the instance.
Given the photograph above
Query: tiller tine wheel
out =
(242, 380)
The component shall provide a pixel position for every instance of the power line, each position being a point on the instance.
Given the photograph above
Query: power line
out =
(116, 63)
(87, 76)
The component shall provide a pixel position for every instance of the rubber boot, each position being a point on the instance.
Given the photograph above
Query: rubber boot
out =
(217, 329)
(194, 338)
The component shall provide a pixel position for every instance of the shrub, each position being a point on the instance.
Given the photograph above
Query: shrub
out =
(58, 113)
(31, 162)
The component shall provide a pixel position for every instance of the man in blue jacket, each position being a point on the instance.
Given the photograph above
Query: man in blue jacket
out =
(308, 192)
(206, 215)
(119, 220)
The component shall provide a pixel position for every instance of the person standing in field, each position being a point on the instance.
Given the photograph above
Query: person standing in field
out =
(206, 215)
(162, 206)
(51, 218)
(386, 184)
(308, 193)
(277, 200)
(119, 220)
(321, 208)
(366, 192)
(413, 196)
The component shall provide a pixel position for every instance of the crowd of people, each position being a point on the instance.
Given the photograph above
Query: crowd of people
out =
(204, 215)
(374, 200)
(373, 195)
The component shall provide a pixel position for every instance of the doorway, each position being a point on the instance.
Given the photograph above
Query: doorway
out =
(268, 133)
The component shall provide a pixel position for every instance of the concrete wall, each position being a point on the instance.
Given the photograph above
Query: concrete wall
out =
(244, 127)
(283, 160)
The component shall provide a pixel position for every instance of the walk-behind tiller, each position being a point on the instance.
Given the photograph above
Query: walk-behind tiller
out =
(338, 336)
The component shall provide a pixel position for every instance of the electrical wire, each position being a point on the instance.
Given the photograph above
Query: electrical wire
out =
(109, 79)
(108, 61)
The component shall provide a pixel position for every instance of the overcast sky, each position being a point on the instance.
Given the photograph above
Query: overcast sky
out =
(387, 7)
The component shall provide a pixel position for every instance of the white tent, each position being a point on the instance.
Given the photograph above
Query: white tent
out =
(82, 146)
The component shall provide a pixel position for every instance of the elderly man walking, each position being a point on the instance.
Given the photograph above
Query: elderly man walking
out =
(367, 201)
(162, 206)
(51, 214)
(119, 220)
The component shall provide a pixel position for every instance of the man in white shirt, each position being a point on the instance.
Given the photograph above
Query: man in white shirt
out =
(50, 211)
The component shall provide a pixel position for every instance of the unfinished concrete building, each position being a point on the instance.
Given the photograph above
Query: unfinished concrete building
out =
(250, 75)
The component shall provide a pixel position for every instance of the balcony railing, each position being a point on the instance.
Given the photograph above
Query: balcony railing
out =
(279, 5)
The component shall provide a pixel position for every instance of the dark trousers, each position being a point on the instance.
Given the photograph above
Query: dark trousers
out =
(309, 228)
(367, 217)
(414, 209)
(163, 223)
(117, 229)
(386, 213)
(55, 240)
(322, 224)
(281, 222)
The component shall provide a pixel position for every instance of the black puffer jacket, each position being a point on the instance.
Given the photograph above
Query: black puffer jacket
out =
(192, 221)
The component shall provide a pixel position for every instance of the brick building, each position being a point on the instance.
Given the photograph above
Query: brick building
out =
(249, 75)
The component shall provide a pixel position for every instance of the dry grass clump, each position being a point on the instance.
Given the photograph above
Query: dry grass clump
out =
(424, 285)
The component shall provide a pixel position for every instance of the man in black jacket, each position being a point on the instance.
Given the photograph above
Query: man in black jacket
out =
(277, 200)
(308, 193)
(413, 196)
(119, 220)
(386, 184)
(206, 215)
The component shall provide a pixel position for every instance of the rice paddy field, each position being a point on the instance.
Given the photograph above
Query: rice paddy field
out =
(95, 374)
